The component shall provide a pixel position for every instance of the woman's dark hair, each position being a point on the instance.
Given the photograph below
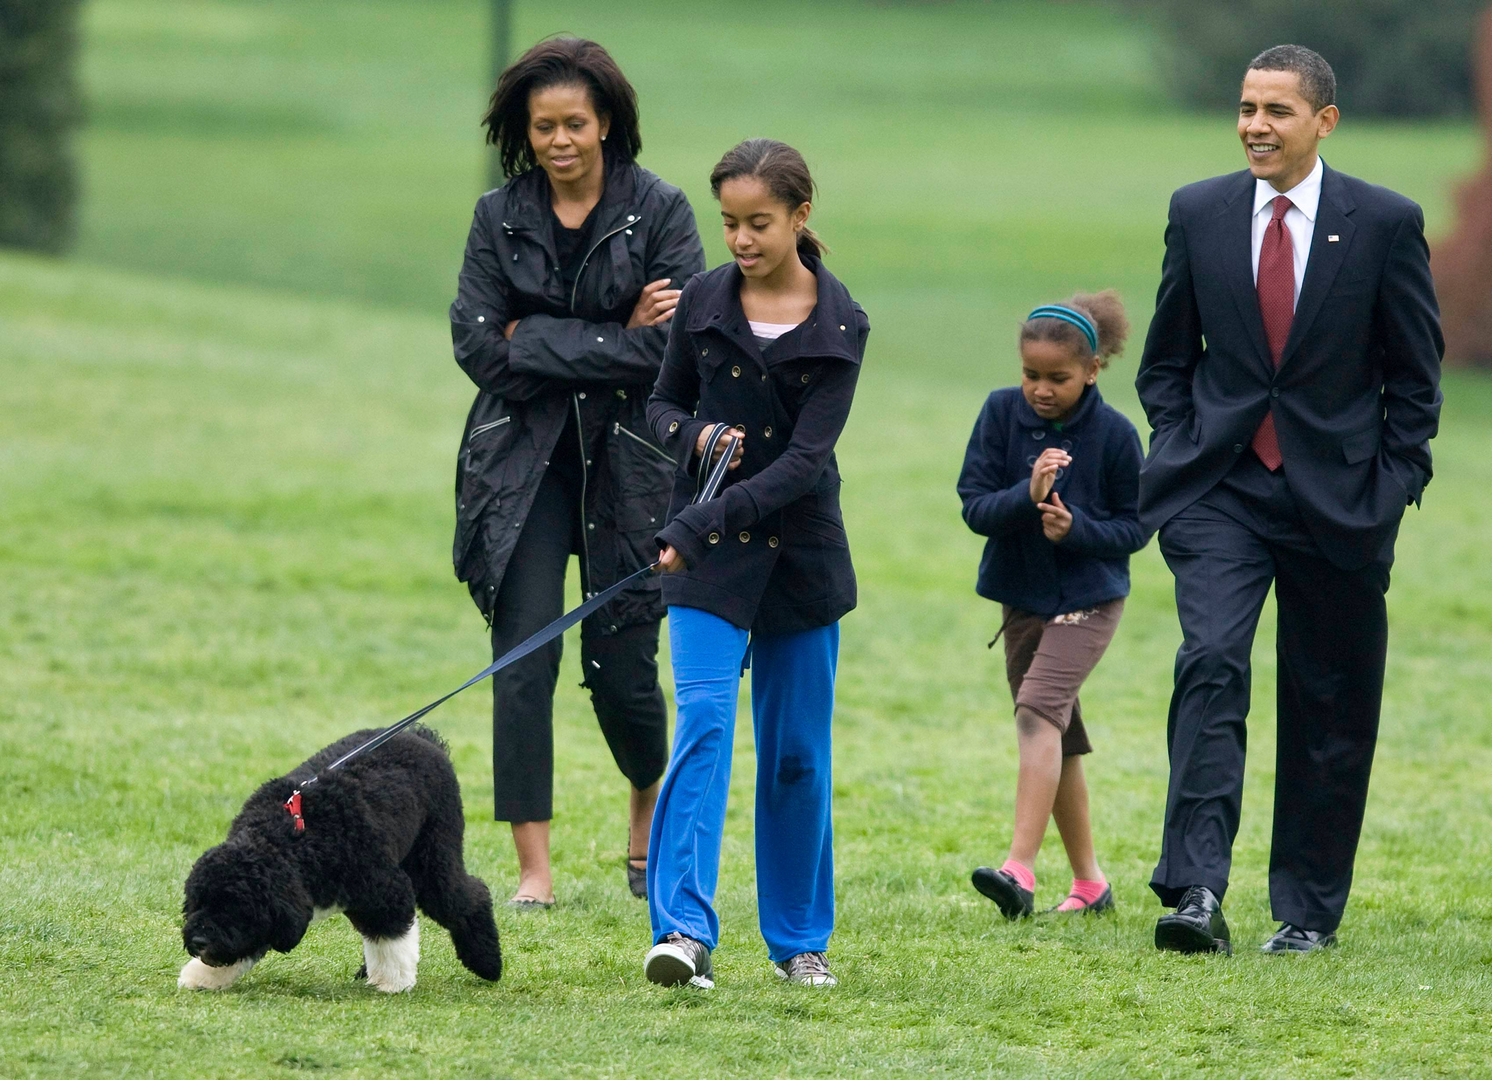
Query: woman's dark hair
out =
(1103, 309)
(561, 61)
(784, 174)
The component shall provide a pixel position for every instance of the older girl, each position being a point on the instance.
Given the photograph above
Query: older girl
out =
(560, 320)
(771, 343)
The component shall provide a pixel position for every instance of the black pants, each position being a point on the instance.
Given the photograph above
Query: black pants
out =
(620, 670)
(1331, 644)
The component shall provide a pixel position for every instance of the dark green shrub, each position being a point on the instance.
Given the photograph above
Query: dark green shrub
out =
(1392, 57)
(39, 108)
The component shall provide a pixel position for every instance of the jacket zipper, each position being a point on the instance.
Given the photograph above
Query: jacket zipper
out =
(585, 469)
(585, 472)
(574, 289)
(488, 427)
(617, 429)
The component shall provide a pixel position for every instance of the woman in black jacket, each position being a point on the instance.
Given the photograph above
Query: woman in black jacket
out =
(770, 343)
(560, 319)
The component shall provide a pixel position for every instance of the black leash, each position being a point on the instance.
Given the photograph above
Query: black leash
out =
(707, 488)
(518, 652)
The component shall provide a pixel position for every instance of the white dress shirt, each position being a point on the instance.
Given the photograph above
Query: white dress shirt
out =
(1300, 219)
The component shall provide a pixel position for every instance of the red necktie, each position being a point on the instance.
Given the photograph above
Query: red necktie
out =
(1276, 288)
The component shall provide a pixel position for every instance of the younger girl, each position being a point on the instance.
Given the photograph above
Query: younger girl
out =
(1052, 477)
(770, 343)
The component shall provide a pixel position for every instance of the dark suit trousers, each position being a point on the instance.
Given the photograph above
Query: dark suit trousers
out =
(620, 670)
(1225, 550)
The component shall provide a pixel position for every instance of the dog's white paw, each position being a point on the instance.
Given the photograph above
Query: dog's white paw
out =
(392, 961)
(199, 976)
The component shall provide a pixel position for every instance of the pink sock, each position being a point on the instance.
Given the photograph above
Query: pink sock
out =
(1024, 877)
(1083, 894)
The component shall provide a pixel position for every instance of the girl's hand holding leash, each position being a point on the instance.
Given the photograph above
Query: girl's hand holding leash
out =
(735, 460)
(1044, 472)
(1056, 519)
(669, 560)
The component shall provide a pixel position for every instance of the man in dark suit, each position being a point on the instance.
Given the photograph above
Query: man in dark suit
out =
(1291, 376)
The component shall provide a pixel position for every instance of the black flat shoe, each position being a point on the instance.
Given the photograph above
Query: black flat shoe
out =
(1295, 939)
(1000, 886)
(1196, 926)
(1105, 902)
(637, 877)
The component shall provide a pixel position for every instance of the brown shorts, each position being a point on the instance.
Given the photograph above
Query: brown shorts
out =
(1047, 658)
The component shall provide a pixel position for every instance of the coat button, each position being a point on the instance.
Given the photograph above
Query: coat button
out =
(1238, 448)
(767, 433)
(745, 538)
(673, 427)
(704, 352)
(1038, 435)
(600, 339)
(1275, 392)
(841, 326)
(771, 541)
(481, 318)
(735, 372)
(714, 538)
(805, 376)
(590, 524)
(582, 394)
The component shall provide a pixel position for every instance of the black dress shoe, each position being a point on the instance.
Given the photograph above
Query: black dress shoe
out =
(1294, 939)
(1000, 886)
(1197, 925)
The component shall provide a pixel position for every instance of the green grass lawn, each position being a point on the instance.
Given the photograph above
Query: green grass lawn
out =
(225, 465)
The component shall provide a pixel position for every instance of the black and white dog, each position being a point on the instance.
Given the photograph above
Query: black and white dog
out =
(375, 837)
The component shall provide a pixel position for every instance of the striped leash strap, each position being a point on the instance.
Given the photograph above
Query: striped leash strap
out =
(712, 476)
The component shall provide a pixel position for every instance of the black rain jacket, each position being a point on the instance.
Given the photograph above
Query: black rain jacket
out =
(768, 554)
(570, 354)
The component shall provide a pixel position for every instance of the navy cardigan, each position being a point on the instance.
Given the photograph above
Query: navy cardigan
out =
(1101, 487)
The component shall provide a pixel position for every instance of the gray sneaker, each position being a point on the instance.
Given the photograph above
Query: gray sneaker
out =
(678, 959)
(807, 969)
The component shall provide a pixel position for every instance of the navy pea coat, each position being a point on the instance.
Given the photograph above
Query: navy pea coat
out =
(1021, 567)
(769, 554)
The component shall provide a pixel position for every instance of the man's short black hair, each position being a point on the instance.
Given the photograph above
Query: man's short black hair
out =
(1318, 83)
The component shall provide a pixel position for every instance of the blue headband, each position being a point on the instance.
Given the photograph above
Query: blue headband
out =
(1068, 315)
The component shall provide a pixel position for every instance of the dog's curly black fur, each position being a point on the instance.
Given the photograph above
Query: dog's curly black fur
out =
(382, 834)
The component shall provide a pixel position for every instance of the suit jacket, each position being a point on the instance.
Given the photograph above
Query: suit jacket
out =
(1356, 396)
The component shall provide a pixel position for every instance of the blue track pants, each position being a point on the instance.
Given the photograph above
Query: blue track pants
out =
(792, 703)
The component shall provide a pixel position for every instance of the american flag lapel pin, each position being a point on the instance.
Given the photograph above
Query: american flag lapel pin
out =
(1333, 238)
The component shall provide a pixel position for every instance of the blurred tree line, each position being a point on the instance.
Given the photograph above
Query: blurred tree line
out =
(40, 105)
(1392, 57)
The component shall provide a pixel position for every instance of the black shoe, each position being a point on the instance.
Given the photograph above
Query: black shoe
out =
(1104, 903)
(678, 959)
(637, 877)
(1294, 939)
(1000, 886)
(1197, 925)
